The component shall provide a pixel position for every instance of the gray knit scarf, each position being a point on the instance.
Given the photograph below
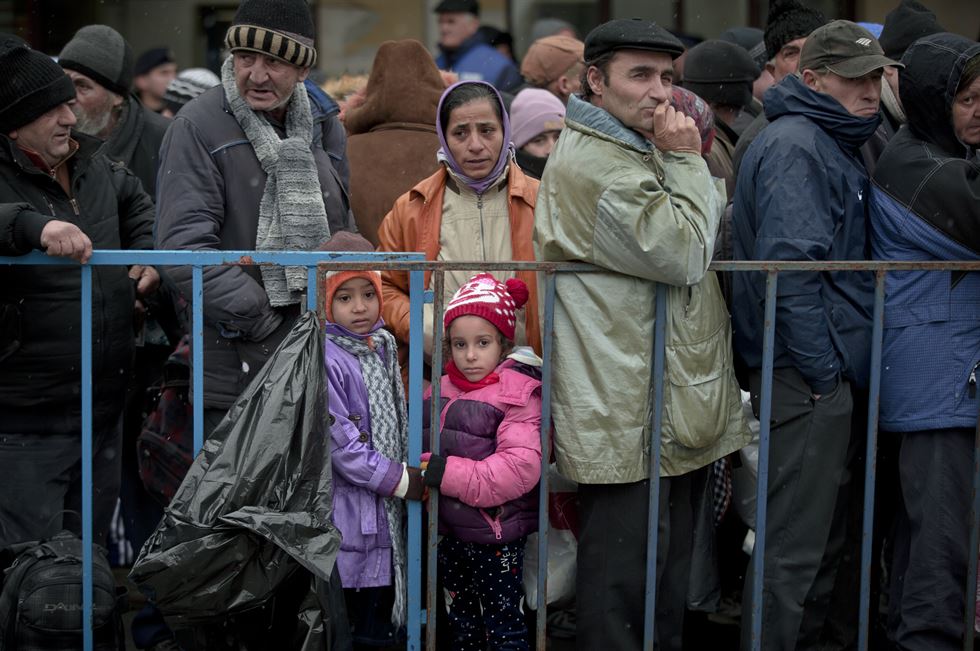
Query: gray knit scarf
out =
(291, 214)
(389, 429)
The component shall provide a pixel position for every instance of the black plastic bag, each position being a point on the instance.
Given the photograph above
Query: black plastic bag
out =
(255, 508)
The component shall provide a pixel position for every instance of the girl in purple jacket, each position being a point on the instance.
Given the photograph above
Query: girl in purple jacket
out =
(488, 465)
(369, 432)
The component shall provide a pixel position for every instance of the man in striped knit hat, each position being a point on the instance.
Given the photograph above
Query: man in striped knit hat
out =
(255, 163)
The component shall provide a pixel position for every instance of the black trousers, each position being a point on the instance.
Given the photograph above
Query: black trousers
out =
(611, 576)
(810, 452)
(42, 484)
(932, 540)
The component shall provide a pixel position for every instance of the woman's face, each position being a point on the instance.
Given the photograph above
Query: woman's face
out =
(542, 144)
(475, 137)
(966, 114)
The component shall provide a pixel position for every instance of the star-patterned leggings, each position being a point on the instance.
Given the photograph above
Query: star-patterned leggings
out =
(483, 592)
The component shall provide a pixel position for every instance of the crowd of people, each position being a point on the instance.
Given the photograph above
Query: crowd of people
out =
(648, 157)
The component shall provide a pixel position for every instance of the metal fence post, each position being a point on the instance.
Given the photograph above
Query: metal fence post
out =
(653, 510)
(870, 465)
(197, 354)
(547, 344)
(88, 539)
(415, 311)
(762, 488)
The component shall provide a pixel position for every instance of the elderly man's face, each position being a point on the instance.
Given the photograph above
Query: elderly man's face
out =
(94, 104)
(455, 27)
(265, 82)
(638, 82)
(859, 96)
(49, 135)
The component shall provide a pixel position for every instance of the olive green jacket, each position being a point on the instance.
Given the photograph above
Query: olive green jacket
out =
(610, 199)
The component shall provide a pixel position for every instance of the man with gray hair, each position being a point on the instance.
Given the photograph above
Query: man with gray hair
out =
(99, 62)
(255, 163)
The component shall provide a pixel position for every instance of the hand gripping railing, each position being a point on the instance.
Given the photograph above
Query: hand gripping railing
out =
(416, 268)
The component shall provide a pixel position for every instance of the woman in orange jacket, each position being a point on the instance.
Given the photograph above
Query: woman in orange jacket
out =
(478, 206)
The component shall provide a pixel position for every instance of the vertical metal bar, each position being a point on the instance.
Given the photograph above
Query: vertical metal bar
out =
(311, 288)
(762, 488)
(541, 620)
(971, 574)
(870, 463)
(197, 354)
(87, 536)
(432, 584)
(653, 511)
(415, 335)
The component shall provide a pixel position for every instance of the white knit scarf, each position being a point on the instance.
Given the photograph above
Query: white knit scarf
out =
(292, 216)
(389, 433)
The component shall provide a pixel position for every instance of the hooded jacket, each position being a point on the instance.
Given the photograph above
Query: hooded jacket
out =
(491, 438)
(475, 60)
(392, 140)
(40, 346)
(802, 194)
(362, 476)
(609, 198)
(926, 206)
(211, 184)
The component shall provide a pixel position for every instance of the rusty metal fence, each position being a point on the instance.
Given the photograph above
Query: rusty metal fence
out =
(422, 599)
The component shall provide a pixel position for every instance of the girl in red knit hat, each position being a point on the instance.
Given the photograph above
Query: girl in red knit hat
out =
(488, 465)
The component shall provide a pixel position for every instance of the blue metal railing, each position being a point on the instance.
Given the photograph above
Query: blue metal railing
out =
(416, 269)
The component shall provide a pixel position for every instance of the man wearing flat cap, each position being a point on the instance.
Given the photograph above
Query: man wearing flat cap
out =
(60, 194)
(626, 190)
(253, 164)
(555, 63)
(802, 194)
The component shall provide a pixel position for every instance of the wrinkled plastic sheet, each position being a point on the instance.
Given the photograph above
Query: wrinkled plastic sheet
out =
(256, 504)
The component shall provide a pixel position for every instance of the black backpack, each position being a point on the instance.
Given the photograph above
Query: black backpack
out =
(41, 598)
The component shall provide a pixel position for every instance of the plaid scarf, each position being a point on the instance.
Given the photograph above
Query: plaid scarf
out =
(389, 429)
(292, 216)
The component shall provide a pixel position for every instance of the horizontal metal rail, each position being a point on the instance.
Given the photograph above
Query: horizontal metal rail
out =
(319, 263)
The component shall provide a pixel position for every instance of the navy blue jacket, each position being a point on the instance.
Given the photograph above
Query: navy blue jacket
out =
(925, 205)
(802, 194)
(475, 60)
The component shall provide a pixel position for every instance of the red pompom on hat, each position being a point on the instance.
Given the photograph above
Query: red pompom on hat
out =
(488, 298)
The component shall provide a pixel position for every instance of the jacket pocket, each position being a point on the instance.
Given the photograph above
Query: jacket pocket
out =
(700, 394)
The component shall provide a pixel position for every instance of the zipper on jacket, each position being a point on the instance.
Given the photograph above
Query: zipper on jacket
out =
(973, 381)
(50, 206)
(498, 529)
(74, 205)
(483, 239)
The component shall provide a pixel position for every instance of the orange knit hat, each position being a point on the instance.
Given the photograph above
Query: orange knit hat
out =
(347, 242)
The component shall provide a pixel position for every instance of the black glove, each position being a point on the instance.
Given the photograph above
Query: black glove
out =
(416, 487)
(435, 470)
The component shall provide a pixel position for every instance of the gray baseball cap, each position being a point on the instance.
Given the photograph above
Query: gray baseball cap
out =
(845, 48)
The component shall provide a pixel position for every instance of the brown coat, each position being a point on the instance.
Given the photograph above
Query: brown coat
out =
(414, 225)
(392, 140)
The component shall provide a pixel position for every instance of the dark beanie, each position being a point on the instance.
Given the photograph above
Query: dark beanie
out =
(789, 20)
(153, 58)
(904, 25)
(102, 54)
(33, 84)
(282, 29)
(720, 72)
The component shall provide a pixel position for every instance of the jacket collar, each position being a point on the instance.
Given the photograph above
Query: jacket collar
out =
(84, 149)
(580, 113)
(518, 185)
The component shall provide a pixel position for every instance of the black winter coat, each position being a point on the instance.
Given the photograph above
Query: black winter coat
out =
(40, 346)
(136, 143)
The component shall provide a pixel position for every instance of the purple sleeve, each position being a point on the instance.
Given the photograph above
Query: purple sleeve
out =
(352, 458)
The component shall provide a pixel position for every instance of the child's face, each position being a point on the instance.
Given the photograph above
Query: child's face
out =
(355, 305)
(476, 347)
